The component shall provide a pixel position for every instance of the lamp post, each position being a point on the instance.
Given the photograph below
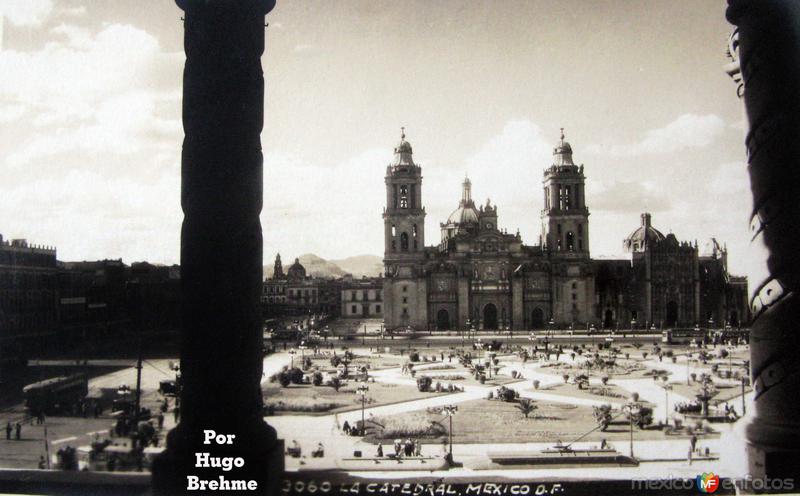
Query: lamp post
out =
(633, 409)
(532, 339)
(302, 347)
(291, 354)
(688, 356)
(667, 387)
(449, 411)
(362, 391)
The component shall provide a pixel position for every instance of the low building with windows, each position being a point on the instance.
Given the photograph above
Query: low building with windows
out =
(362, 298)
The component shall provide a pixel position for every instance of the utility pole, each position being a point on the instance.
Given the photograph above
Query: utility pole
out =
(137, 409)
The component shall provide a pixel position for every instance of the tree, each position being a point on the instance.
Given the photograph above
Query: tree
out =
(604, 380)
(284, 379)
(566, 378)
(316, 378)
(296, 375)
(602, 415)
(526, 406)
(335, 383)
(424, 383)
(335, 360)
(414, 357)
(582, 381)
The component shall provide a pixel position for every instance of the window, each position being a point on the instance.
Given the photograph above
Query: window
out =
(574, 297)
(570, 241)
(404, 242)
(567, 200)
(353, 309)
(403, 196)
(580, 245)
(415, 245)
(580, 230)
(405, 288)
(405, 299)
(377, 309)
(558, 228)
(574, 285)
(414, 230)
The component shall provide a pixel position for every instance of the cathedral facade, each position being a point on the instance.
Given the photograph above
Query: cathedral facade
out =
(481, 276)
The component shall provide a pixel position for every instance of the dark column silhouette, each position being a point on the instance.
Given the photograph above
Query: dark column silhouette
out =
(769, 61)
(221, 248)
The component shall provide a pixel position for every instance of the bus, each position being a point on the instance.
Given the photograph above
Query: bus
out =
(56, 395)
(684, 335)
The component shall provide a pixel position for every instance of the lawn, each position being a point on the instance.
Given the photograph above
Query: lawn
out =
(610, 392)
(300, 399)
(485, 421)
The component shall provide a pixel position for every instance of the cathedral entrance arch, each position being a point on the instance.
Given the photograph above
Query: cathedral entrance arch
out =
(672, 314)
(608, 319)
(537, 318)
(442, 320)
(490, 316)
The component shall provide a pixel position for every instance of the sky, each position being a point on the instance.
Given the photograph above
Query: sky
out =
(90, 128)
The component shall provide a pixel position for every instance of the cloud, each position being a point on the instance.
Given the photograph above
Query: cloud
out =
(27, 13)
(687, 131)
(626, 196)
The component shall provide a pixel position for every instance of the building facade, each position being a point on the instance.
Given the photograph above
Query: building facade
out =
(481, 276)
(28, 295)
(362, 298)
(296, 293)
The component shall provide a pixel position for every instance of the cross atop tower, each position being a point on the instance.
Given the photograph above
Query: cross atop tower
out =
(402, 132)
(562, 133)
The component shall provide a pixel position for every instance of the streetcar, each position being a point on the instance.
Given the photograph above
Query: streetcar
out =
(685, 335)
(56, 395)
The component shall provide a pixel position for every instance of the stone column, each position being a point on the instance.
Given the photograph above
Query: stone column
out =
(769, 59)
(221, 249)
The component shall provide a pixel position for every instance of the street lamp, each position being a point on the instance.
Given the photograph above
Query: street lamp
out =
(302, 347)
(633, 409)
(449, 411)
(362, 391)
(532, 338)
(688, 356)
(667, 388)
(292, 353)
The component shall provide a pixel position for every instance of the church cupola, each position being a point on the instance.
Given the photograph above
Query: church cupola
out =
(562, 153)
(403, 152)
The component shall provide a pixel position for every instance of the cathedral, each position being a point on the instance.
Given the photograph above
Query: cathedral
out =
(481, 276)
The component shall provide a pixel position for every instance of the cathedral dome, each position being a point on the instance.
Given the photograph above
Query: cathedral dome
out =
(643, 236)
(466, 213)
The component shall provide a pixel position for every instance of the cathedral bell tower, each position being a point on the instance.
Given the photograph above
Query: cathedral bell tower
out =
(565, 218)
(405, 289)
(565, 238)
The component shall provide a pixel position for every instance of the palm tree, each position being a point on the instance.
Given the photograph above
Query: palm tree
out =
(526, 406)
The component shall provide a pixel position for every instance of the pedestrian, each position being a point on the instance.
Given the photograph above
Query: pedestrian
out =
(418, 448)
(18, 431)
(42, 463)
(397, 448)
(8, 431)
(160, 420)
(693, 441)
(346, 427)
(380, 451)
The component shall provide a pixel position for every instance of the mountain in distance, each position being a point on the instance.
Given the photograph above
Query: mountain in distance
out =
(361, 265)
(357, 266)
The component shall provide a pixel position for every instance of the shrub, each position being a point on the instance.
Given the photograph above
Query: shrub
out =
(335, 383)
(644, 355)
(482, 379)
(438, 387)
(566, 378)
(335, 360)
(506, 394)
(490, 395)
(284, 379)
(536, 383)
(316, 378)
(410, 425)
(604, 380)
(414, 357)
(295, 375)
(424, 383)
(634, 396)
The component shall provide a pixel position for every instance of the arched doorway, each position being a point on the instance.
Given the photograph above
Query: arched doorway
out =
(537, 318)
(672, 314)
(442, 320)
(608, 319)
(490, 316)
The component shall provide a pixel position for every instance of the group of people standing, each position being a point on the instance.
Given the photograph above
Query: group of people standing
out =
(16, 429)
(404, 448)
